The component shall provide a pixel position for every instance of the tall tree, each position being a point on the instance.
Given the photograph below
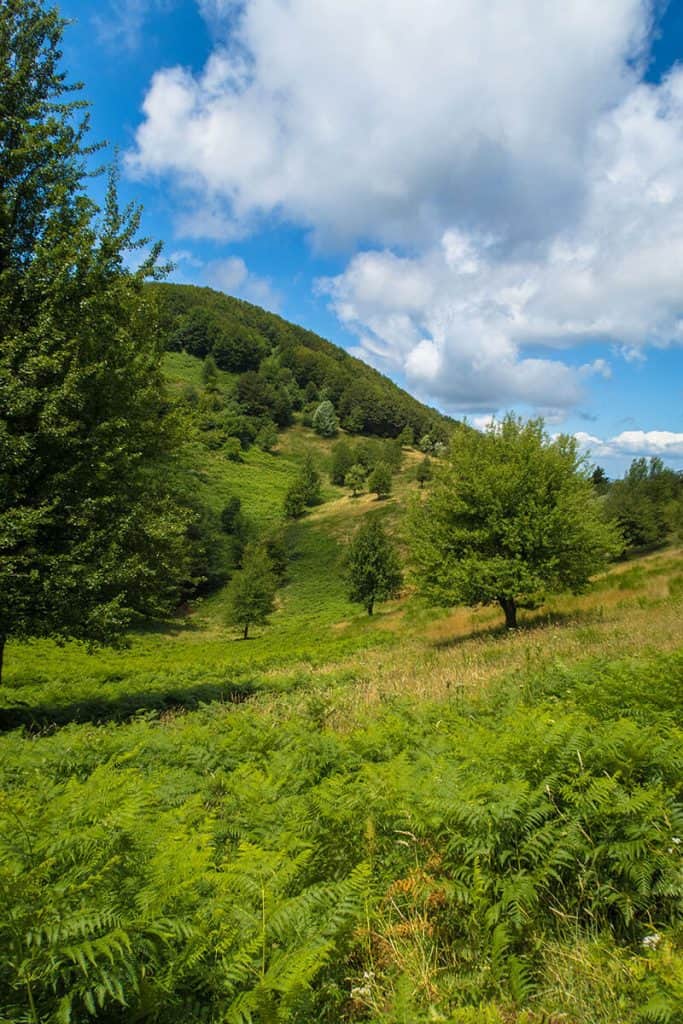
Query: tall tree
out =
(90, 537)
(374, 571)
(512, 516)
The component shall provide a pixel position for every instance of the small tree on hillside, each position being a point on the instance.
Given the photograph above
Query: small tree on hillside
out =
(379, 481)
(309, 478)
(325, 420)
(374, 571)
(342, 460)
(424, 471)
(251, 593)
(407, 437)
(355, 479)
(512, 516)
(209, 373)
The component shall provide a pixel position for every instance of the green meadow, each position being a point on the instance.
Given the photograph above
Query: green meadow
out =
(411, 817)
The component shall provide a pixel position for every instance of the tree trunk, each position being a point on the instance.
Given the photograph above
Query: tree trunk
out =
(3, 640)
(245, 635)
(510, 608)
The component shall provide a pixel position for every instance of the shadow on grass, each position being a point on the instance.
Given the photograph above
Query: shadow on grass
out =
(528, 625)
(100, 709)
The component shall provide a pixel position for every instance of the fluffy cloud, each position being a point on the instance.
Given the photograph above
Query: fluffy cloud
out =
(388, 121)
(664, 443)
(516, 187)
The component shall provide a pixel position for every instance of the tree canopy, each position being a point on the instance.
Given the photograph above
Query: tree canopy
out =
(90, 536)
(251, 594)
(512, 516)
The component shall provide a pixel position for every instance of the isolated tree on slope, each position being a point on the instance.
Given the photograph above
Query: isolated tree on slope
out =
(374, 570)
(89, 536)
(251, 594)
(511, 517)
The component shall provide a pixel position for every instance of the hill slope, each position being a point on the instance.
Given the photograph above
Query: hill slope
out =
(298, 366)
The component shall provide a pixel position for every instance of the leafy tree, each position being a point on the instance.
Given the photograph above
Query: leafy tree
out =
(195, 333)
(233, 449)
(295, 501)
(267, 436)
(342, 460)
(251, 592)
(407, 437)
(647, 503)
(325, 420)
(355, 479)
(424, 471)
(90, 536)
(379, 481)
(511, 517)
(309, 478)
(209, 373)
(374, 571)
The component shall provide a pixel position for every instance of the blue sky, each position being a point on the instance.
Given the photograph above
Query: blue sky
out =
(485, 201)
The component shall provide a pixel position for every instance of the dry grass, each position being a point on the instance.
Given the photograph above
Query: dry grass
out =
(464, 652)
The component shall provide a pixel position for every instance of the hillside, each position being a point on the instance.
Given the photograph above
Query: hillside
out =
(300, 368)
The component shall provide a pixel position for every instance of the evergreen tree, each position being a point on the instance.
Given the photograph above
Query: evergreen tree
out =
(325, 420)
(374, 571)
(513, 516)
(295, 501)
(90, 537)
(309, 478)
(407, 437)
(379, 481)
(251, 594)
(424, 472)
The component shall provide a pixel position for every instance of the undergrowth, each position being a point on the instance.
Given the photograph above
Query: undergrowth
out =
(513, 857)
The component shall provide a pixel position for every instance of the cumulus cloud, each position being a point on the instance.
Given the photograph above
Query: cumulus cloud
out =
(515, 187)
(635, 443)
(388, 121)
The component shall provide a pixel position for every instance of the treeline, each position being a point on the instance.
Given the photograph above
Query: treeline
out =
(285, 368)
(647, 503)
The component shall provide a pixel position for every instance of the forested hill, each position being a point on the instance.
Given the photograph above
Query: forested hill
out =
(283, 366)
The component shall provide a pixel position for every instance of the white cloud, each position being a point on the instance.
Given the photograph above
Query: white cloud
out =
(665, 443)
(390, 121)
(232, 276)
(516, 186)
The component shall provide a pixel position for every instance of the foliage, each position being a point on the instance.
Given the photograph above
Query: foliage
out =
(251, 594)
(267, 438)
(238, 865)
(355, 478)
(209, 373)
(325, 420)
(647, 503)
(379, 480)
(373, 568)
(512, 516)
(424, 471)
(90, 535)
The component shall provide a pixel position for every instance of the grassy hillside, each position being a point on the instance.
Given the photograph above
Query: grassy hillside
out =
(410, 818)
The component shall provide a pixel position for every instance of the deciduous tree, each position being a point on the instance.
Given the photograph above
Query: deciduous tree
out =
(512, 516)
(374, 570)
(251, 594)
(90, 537)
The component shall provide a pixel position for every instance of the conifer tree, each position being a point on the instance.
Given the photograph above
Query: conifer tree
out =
(379, 481)
(90, 537)
(325, 420)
